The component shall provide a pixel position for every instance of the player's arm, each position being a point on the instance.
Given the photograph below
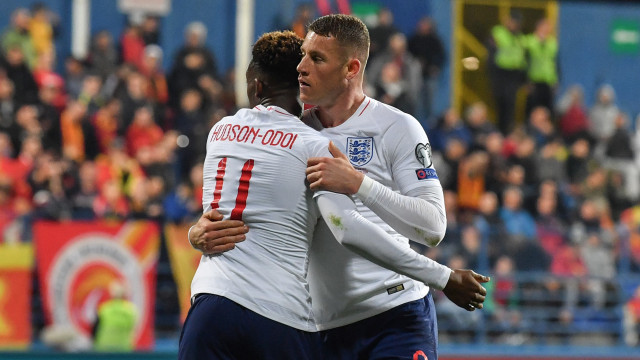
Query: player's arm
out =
(366, 239)
(213, 235)
(419, 215)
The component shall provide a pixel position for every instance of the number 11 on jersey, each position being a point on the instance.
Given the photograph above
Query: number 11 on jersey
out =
(243, 187)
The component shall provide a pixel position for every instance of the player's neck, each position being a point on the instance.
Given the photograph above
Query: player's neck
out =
(341, 110)
(286, 100)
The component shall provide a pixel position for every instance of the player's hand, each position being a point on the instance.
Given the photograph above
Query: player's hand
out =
(333, 174)
(465, 290)
(212, 235)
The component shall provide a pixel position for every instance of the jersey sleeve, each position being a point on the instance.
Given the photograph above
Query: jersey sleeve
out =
(409, 152)
(361, 236)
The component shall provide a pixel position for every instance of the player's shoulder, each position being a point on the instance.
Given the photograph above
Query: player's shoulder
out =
(310, 119)
(388, 116)
(241, 114)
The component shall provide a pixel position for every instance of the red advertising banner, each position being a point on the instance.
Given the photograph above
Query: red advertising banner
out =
(78, 261)
(184, 262)
(16, 261)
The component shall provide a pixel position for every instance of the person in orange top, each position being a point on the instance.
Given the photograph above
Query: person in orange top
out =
(72, 135)
(471, 180)
(304, 16)
(157, 90)
(106, 121)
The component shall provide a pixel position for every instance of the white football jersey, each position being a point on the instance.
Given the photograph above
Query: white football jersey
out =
(255, 171)
(392, 148)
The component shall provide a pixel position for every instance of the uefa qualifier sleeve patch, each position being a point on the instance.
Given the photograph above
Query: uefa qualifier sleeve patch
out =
(425, 174)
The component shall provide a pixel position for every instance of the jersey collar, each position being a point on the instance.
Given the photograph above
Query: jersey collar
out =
(275, 109)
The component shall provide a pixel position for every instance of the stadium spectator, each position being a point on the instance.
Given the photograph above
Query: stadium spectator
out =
(52, 200)
(16, 69)
(504, 297)
(17, 36)
(471, 181)
(631, 319)
(111, 203)
(574, 121)
(179, 204)
(620, 157)
(599, 261)
(602, 118)
(425, 44)
(540, 126)
(520, 228)
(150, 30)
(507, 66)
(132, 45)
(74, 76)
(450, 126)
(133, 97)
(542, 69)
(91, 94)
(578, 163)
(107, 122)
(115, 328)
(157, 90)
(41, 28)
(83, 200)
(392, 89)
(453, 155)
(406, 74)
(498, 165)
(190, 122)
(103, 55)
(381, 32)
(490, 225)
(479, 124)
(303, 17)
(550, 230)
(143, 131)
(194, 66)
(525, 156)
(78, 134)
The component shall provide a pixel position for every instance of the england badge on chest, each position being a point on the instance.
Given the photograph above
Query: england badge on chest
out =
(359, 150)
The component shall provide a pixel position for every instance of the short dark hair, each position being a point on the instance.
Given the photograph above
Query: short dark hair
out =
(276, 56)
(350, 32)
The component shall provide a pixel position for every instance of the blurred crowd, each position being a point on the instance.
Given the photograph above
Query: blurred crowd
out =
(113, 136)
(117, 136)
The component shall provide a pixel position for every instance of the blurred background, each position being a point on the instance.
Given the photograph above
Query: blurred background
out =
(531, 108)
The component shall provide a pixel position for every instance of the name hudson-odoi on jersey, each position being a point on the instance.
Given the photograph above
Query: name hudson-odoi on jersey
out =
(250, 134)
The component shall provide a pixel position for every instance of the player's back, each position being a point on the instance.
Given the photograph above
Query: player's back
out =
(255, 171)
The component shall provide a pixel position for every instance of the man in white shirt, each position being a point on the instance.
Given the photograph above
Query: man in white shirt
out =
(380, 313)
(254, 302)
(355, 299)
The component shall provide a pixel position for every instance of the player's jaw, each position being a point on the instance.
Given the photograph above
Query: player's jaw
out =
(306, 90)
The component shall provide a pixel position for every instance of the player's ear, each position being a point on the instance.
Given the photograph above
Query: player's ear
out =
(353, 68)
(259, 88)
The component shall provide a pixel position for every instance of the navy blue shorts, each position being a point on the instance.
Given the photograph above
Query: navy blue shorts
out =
(218, 328)
(408, 331)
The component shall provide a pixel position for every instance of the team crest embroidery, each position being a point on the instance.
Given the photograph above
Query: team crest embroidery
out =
(359, 150)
